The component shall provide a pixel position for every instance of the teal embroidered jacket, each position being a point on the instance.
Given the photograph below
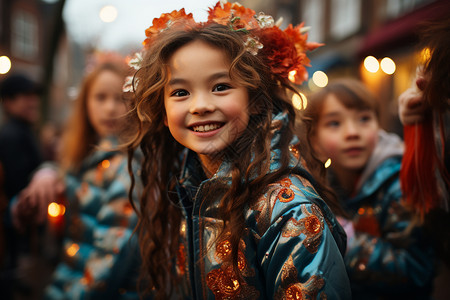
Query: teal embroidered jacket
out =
(100, 254)
(388, 256)
(292, 250)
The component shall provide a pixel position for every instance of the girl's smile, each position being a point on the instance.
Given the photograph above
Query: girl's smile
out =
(205, 109)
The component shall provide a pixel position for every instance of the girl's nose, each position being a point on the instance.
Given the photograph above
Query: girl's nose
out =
(111, 105)
(201, 104)
(351, 130)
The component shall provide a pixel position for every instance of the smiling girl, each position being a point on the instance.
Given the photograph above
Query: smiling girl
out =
(228, 209)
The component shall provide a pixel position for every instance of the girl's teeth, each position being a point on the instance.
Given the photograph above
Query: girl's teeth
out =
(205, 128)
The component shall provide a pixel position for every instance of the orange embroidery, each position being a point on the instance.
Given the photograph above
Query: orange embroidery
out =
(291, 288)
(294, 292)
(311, 226)
(181, 260)
(223, 282)
(286, 195)
(286, 182)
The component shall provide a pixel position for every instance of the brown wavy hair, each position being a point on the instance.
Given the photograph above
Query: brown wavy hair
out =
(79, 137)
(248, 156)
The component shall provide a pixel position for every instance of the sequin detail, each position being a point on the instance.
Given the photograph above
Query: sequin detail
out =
(311, 226)
(291, 288)
(286, 195)
(181, 260)
(223, 282)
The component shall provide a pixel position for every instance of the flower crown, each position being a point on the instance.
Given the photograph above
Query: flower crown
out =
(284, 51)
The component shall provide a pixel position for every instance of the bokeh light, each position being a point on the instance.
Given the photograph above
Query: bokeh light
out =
(106, 164)
(108, 14)
(73, 249)
(299, 101)
(320, 79)
(327, 164)
(371, 64)
(291, 75)
(56, 210)
(5, 64)
(387, 65)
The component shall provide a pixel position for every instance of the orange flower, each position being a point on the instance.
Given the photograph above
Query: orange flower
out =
(234, 14)
(284, 51)
(165, 21)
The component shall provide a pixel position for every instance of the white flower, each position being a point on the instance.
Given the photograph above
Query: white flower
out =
(265, 21)
(136, 61)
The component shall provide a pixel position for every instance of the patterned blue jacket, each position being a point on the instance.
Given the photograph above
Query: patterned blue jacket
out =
(388, 256)
(292, 249)
(101, 256)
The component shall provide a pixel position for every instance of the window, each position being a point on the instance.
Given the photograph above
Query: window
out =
(395, 8)
(345, 18)
(313, 16)
(24, 38)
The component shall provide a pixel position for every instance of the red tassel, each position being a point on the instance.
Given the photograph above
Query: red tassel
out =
(417, 175)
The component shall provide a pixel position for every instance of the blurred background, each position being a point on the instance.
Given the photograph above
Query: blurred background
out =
(373, 40)
(53, 40)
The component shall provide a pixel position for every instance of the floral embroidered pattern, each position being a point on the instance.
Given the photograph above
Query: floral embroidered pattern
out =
(223, 282)
(282, 191)
(311, 226)
(291, 288)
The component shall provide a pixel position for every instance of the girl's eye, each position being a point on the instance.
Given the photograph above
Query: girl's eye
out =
(365, 118)
(332, 124)
(100, 97)
(179, 93)
(221, 87)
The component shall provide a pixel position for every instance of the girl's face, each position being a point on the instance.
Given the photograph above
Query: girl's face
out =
(346, 136)
(205, 110)
(105, 106)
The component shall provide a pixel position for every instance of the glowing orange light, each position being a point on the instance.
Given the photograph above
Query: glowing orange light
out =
(425, 55)
(291, 75)
(56, 210)
(106, 164)
(53, 209)
(73, 249)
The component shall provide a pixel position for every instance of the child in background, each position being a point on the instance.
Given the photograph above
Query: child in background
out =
(99, 261)
(228, 211)
(387, 256)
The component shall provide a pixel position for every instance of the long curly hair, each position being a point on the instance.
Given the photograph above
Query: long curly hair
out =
(248, 155)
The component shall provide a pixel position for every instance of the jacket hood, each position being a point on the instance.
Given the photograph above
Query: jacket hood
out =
(389, 145)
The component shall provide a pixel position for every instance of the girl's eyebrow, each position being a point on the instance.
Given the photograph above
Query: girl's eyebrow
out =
(331, 114)
(215, 76)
